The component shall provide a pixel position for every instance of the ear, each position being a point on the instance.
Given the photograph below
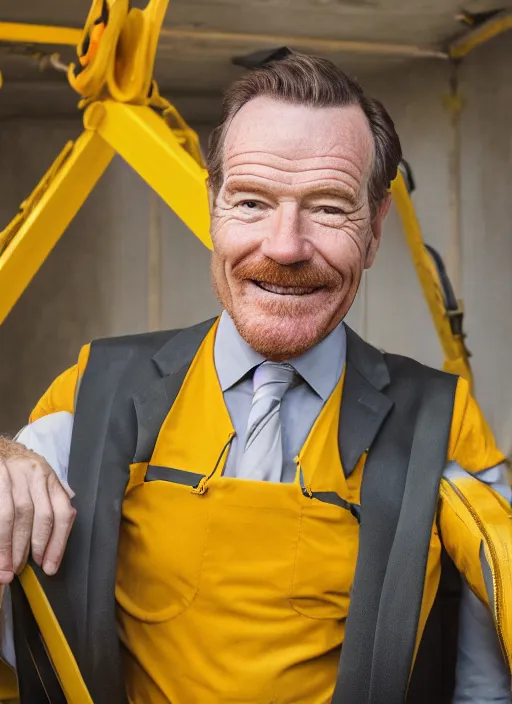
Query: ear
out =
(376, 231)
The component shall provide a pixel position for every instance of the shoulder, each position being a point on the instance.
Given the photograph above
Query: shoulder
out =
(471, 444)
(61, 394)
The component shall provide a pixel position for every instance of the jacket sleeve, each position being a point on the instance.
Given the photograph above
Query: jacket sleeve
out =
(475, 524)
(61, 395)
(472, 444)
(476, 530)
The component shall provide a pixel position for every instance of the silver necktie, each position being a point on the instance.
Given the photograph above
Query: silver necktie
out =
(262, 459)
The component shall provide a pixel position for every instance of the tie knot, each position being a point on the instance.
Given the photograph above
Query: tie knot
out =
(273, 379)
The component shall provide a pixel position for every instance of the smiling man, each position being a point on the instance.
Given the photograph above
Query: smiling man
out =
(268, 509)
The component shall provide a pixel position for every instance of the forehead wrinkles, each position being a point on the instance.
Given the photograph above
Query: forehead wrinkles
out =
(263, 165)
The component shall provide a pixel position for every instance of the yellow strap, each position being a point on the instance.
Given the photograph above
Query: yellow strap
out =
(63, 660)
(456, 354)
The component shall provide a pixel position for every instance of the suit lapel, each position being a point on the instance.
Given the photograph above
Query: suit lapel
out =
(364, 407)
(363, 410)
(153, 403)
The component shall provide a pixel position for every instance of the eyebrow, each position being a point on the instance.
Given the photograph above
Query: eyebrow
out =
(342, 193)
(236, 185)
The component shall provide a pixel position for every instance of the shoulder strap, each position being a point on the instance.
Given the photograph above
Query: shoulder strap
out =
(398, 503)
(104, 444)
(402, 592)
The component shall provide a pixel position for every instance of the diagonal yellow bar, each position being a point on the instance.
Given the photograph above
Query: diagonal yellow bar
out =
(145, 142)
(70, 678)
(38, 34)
(456, 355)
(480, 35)
(45, 224)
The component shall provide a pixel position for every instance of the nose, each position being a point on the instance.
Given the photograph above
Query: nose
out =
(285, 242)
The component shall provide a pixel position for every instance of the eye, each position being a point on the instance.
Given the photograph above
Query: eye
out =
(250, 205)
(329, 210)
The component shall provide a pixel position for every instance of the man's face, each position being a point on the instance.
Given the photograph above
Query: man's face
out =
(291, 225)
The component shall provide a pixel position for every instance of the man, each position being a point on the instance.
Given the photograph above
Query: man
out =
(264, 492)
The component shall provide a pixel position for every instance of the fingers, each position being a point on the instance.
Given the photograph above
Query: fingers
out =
(63, 518)
(6, 526)
(23, 519)
(35, 511)
(43, 516)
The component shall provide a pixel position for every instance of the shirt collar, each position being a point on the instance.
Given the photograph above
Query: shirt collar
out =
(321, 366)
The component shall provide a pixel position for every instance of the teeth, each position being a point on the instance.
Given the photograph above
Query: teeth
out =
(285, 290)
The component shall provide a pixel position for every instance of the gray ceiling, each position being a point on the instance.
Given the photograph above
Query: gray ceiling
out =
(200, 65)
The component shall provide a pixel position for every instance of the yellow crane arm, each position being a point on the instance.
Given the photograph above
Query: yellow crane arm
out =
(447, 320)
(44, 216)
(124, 114)
(146, 142)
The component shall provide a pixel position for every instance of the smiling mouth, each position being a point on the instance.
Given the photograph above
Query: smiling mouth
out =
(285, 290)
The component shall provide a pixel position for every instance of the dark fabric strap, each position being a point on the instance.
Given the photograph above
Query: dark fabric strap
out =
(175, 476)
(39, 684)
(331, 497)
(402, 592)
(434, 674)
(385, 481)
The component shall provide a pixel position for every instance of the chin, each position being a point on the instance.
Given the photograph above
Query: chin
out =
(278, 335)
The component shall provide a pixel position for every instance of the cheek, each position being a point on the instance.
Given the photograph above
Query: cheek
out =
(234, 240)
(344, 251)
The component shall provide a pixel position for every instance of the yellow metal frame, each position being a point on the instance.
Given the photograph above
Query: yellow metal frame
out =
(42, 219)
(454, 349)
(480, 35)
(38, 34)
(70, 678)
(124, 115)
(152, 149)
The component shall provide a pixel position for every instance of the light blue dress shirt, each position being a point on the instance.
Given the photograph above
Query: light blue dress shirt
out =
(318, 370)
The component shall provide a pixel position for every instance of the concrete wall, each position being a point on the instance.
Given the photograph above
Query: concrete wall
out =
(395, 316)
(97, 280)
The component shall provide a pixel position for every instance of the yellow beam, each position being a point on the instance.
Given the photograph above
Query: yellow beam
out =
(38, 34)
(456, 355)
(480, 35)
(8, 684)
(143, 139)
(62, 658)
(306, 43)
(63, 197)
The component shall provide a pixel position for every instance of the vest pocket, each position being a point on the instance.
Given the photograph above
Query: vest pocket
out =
(162, 542)
(325, 560)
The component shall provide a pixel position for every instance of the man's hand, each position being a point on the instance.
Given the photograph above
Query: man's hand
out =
(35, 512)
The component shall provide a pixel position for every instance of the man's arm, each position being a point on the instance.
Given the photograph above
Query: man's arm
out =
(35, 507)
(35, 511)
(50, 438)
(482, 675)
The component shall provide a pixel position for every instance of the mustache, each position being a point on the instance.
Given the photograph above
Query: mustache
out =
(300, 275)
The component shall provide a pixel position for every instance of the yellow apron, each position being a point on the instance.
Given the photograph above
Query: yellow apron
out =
(235, 590)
